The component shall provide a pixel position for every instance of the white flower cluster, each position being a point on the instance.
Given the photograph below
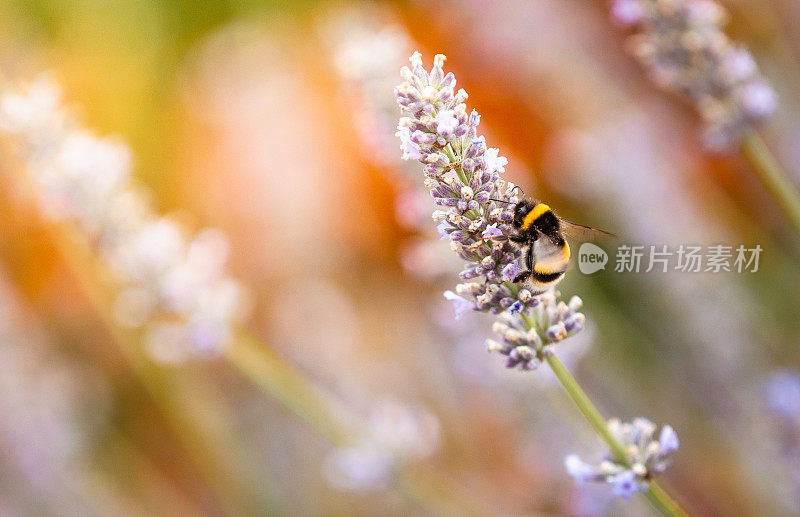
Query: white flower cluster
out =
(647, 456)
(174, 288)
(550, 320)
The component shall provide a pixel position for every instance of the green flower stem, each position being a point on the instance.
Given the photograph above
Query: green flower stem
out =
(587, 409)
(772, 176)
(451, 155)
(660, 500)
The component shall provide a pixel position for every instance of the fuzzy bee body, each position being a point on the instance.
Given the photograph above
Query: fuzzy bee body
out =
(540, 232)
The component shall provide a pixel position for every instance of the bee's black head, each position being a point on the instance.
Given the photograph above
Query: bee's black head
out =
(521, 210)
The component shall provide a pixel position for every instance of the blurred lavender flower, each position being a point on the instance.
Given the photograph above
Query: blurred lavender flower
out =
(463, 176)
(591, 500)
(397, 434)
(175, 288)
(366, 45)
(783, 399)
(647, 456)
(682, 45)
(783, 395)
(365, 58)
(53, 408)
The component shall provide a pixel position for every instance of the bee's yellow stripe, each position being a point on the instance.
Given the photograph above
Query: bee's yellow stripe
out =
(552, 266)
(542, 269)
(535, 213)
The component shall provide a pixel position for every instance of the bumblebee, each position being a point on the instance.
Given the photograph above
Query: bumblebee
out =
(540, 232)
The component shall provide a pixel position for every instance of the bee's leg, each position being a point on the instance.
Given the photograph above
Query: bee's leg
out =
(453, 166)
(528, 263)
(529, 257)
(519, 239)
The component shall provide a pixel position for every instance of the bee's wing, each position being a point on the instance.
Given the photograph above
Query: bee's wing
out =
(583, 233)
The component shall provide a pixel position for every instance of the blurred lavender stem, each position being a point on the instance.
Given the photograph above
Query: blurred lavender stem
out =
(772, 176)
(127, 455)
(660, 500)
(206, 449)
(289, 386)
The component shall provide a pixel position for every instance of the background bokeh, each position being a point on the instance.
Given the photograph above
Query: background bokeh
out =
(274, 122)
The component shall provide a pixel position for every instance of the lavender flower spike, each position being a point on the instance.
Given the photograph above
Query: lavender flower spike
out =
(682, 45)
(475, 213)
(462, 175)
(647, 456)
